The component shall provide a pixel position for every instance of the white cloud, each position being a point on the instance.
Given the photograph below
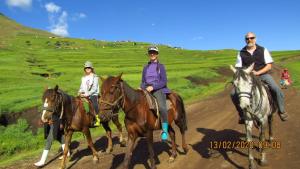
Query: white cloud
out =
(52, 7)
(81, 15)
(78, 16)
(19, 3)
(198, 38)
(61, 26)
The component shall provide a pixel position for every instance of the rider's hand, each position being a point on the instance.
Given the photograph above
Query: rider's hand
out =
(255, 73)
(149, 88)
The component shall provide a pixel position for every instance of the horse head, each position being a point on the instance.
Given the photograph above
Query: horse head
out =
(243, 83)
(52, 99)
(111, 96)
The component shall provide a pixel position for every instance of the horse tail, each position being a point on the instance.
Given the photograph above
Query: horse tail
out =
(182, 121)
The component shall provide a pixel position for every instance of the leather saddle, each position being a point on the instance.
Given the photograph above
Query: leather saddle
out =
(153, 105)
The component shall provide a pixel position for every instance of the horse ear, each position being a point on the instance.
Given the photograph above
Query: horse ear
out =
(56, 88)
(233, 68)
(250, 68)
(102, 78)
(119, 77)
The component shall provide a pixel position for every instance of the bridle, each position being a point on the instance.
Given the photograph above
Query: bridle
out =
(118, 103)
(58, 100)
(250, 95)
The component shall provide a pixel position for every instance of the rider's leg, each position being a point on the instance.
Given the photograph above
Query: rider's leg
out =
(235, 101)
(94, 100)
(279, 95)
(47, 148)
(161, 100)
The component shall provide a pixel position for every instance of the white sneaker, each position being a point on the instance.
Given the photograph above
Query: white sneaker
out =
(43, 159)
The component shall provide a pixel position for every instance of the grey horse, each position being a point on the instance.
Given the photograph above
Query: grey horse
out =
(258, 107)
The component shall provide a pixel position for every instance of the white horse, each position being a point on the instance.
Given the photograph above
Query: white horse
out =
(258, 107)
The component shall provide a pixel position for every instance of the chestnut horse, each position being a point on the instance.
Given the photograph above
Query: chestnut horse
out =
(140, 121)
(72, 114)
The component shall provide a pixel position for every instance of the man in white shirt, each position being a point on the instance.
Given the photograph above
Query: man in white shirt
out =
(260, 56)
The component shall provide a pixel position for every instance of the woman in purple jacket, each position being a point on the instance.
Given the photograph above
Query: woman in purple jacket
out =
(154, 80)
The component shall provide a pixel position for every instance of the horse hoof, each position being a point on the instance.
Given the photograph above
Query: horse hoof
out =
(185, 149)
(171, 159)
(252, 166)
(263, 163)
(123, 143)
(108, 151)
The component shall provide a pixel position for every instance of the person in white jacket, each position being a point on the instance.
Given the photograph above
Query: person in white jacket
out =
(90, 88)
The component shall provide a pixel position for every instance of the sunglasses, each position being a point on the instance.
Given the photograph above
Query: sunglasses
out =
(250, 38)
(152, 53)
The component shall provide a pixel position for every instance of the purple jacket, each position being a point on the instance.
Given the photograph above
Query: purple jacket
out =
(154, 74)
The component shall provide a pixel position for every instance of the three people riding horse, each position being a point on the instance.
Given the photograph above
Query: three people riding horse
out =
(154, 80)
(260, 56)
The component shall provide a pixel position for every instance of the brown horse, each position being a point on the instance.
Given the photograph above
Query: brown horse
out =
(72, 114)
(140, 121)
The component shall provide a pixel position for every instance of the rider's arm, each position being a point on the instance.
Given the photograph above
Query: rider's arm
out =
(265, 69)
(143, 84)
(238, 61)
(81, 88)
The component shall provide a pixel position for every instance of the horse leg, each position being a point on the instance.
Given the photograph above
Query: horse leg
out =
(87, 133)
(270, 125)
(128, 155)
(173, 152)
(68, 136)
(183, 142)
(150, 148)
(248, 126)
(109, 137)
(119, 126)
(263, 160)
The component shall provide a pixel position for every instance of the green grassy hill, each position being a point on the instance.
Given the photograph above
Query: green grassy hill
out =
(31, 59)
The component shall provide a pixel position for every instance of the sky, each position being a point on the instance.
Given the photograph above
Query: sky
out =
(190, 24)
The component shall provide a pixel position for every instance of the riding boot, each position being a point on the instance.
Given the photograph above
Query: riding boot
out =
(63, 148)
(43, 159)
(164, 134)
(97, 121)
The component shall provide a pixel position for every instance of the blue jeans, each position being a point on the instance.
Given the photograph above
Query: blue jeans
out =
(274, 89)
(94, 100)
(161, 101)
